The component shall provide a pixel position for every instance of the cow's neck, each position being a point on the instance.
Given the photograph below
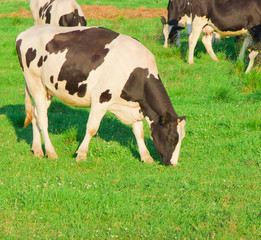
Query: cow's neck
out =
(188, 7)
(149, 92)
(157, 101)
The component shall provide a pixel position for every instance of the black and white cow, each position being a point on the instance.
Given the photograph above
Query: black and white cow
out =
(227, 17)
(105, 70)
(66, 13)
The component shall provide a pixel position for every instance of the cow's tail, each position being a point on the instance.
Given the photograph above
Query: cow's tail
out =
(28, 108)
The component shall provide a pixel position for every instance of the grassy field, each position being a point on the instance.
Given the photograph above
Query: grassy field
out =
(214, 192)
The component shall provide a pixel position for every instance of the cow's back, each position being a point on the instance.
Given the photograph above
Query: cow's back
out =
(232, 15)
(57, 12)
(74, 63)
(68, 13)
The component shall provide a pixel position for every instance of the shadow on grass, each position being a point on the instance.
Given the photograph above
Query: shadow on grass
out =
(62, 118)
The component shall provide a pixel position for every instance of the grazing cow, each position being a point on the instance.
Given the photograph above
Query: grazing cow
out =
(105, 70)
(227, 17)
(66, 13)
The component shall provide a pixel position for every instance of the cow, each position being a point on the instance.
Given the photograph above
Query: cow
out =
(227, 17)
(65, 13)
(97, 67)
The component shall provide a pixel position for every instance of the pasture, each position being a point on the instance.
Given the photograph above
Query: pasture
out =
(213, 193)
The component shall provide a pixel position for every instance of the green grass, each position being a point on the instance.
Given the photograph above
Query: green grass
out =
(214, 192)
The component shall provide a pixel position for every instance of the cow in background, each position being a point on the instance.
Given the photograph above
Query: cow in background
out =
(228, 18)
(66, 13)
(105, 70)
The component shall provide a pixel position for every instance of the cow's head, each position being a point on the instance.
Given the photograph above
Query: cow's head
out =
(72, 19)
(170, 33)
(167, 135)
(178, 12)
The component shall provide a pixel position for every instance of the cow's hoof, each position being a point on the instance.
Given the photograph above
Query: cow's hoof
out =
(51, 155)
(37, 152)
(81, 157)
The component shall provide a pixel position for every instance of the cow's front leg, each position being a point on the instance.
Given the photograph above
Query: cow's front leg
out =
(95, 117)
(197, 25)
(137, 128)
(166, 34)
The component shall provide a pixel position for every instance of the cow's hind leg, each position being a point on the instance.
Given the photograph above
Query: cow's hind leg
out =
(37, 145)
(137, 128)
(42, 102)
(252, 57)
(31, 117)
(95, 117)
(207, 41)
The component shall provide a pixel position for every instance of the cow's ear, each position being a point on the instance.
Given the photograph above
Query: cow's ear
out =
(165, 118)
(182, 120)
(163, 20)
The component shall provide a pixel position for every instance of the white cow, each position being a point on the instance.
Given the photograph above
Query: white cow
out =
(64, 13)
(105, 70)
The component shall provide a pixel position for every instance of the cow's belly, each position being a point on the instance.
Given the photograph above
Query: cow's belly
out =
(127, 112)
(72, 100)
(67, 88)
